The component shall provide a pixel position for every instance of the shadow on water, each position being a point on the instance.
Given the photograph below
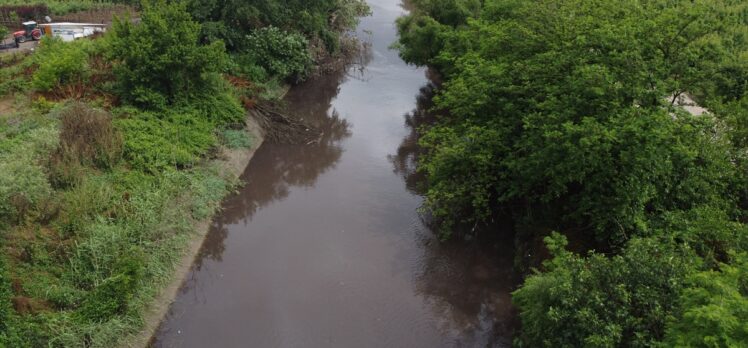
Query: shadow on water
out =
(406, 158)
(467, 282)
(323, 246)
(276, 168)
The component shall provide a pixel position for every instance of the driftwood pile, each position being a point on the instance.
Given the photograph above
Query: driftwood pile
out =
(284, 129)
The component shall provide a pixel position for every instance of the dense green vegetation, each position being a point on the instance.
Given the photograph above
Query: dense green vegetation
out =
(107, 160)
(563, 115)
(63, 7)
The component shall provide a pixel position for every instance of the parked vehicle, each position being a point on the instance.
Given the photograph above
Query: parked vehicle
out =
(31, 31)
(71, 31)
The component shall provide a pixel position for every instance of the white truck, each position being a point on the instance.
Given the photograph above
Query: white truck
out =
(71, 31)
(64, 30)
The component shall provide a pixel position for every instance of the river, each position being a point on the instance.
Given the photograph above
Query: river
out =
(324, 245)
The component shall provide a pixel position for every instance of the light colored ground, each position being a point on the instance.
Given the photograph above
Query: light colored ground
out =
(688, 104)
(8, 41)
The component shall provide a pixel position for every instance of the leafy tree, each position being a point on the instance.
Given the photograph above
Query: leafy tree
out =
(279, 53)
(61, 63)
(232, 20)
(599, 301)
(563, 114)
(160, 60)
(713, 309)
(559, 111)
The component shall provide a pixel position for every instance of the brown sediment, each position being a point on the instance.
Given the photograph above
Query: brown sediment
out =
(233, 163)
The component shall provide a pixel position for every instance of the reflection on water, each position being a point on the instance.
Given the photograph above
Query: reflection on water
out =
(323, 246)
(468, 283)
(408, 152)
(276, 167)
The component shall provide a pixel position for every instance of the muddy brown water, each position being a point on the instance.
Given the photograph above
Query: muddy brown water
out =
(324, 246)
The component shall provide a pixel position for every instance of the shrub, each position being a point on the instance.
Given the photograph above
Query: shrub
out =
(87, 138)
(178, 140)
(160, 61)
(216, 103)
(60, 63)
(599, 301)
(713, 310)
(280, 53)
(245, 65)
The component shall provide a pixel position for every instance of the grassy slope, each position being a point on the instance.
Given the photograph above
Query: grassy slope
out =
(75, 240)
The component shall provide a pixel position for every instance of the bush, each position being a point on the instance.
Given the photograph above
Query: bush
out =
(216, 103)
(280, 53)
(176, 140)
(713, 310)
(60, 63)
(87, 138)
(599, 301)
(246, 65)
(160, 61)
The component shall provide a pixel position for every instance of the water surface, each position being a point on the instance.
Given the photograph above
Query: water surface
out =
(324, 246)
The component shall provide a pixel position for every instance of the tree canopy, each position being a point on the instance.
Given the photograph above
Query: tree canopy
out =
(566, 116)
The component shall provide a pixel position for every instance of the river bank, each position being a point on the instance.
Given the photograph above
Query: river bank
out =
(324, 245)
(232, 162)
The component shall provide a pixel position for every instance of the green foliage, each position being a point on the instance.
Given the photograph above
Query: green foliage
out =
(561, 108)
(420, 38)
(713, 309)
(6, 311)
(12, 72)
(63, 7)
(87, 138)
(317, 20)
(155, 142)
(563, 115)
(599, 301)
(235, 139)
(23, 186)
(160, 61)
(217, 103)
(280, 53)
(61, 63)
(112, 296)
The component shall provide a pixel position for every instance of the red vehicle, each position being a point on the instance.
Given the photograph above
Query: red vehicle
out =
(30, 31)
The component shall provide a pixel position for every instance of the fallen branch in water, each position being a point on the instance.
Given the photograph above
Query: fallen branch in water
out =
(283, 129)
